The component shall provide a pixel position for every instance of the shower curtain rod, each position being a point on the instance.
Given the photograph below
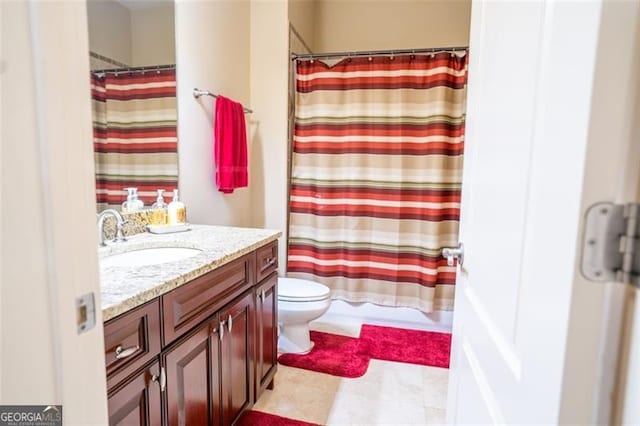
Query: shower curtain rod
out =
(295, 56)
(129, 69)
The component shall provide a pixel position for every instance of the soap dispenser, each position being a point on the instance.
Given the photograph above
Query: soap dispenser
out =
(129, 205)
(159, 214)
(139, 204)
(133, 203)
(176, 211)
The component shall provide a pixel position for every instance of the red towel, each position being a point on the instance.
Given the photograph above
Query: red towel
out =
(230, 146)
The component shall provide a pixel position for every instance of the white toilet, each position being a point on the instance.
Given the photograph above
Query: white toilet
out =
(299, 303)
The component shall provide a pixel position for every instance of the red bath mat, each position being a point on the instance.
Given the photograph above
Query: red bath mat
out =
(258, 418)
(349, 357)
(410, 346)
(331, 354)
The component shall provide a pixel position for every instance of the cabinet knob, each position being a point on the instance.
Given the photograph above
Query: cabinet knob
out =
(221, 330)
(126, 352)
(230, 322)
(161, 379)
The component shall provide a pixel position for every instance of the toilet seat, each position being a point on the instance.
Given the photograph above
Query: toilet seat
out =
(297, 290)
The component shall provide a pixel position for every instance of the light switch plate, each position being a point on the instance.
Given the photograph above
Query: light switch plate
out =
(85, 312)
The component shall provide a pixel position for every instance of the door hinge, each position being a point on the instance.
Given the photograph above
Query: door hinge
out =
(611, 246)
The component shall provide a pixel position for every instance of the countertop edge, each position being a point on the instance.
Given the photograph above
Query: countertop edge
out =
(111, 312)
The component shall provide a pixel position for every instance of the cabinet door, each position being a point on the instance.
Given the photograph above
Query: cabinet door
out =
(131, 340)
(192, 365)
(237, 358)
(138, 401)
(188, 305)
(266, 260)
(266, 333)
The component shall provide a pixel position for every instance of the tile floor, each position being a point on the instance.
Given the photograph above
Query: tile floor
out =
(390, 393)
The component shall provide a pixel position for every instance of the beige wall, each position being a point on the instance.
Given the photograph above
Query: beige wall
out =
(352, 25)
(269, 82)
(109, 30)
(302, 16)
(153, 35)
(259, 44)
(297, 45)
(212, 40)
(136, 37)
(251, 67)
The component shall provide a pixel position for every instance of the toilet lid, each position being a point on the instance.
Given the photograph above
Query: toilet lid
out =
(297, 290)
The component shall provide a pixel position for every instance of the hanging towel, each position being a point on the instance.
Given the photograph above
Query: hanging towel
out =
(230, 146)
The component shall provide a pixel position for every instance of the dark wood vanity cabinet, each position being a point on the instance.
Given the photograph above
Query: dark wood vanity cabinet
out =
(209, 372)
(266, 333)
(215, 348)
(266, 260)
(138, 402)
(192, 303)
(237, 357)
(131, 341)
(192, 395)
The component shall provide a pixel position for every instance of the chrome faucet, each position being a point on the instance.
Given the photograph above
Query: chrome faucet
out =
(120, 222)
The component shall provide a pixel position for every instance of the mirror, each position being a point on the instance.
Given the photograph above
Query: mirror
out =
(133, 92)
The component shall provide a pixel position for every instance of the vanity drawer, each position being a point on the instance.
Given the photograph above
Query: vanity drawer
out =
(131, 340)
(188, 305)
(266, 260)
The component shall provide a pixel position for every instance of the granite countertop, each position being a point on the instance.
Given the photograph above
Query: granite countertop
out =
(123, 288)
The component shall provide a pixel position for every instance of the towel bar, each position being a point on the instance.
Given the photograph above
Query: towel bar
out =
(197, 93)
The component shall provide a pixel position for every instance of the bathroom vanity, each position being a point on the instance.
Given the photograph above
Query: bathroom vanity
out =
(192, 341)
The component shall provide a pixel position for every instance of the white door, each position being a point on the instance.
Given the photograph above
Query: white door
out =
(48, 221)
(628, 409)
(548, 84)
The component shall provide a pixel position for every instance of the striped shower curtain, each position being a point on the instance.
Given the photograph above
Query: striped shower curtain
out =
(134, 134)
(376, 176)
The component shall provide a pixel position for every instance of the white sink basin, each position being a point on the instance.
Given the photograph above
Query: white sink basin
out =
(149, 256)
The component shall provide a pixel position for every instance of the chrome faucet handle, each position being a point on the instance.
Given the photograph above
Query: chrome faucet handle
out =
(120, 237)
(101, 219)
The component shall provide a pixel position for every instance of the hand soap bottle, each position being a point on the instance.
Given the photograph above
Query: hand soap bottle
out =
(129, 205)
(159, 215)
(176, 211)
(133, 203)
(139, 204)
